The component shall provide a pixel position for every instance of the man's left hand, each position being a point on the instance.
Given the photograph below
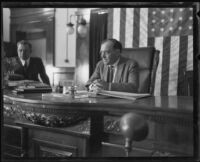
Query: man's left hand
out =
(100, 84)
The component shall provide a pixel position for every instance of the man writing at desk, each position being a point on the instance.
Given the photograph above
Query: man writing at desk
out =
(114, 72)
(26, 66)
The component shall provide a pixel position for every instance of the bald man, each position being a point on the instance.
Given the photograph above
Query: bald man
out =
(125, 76)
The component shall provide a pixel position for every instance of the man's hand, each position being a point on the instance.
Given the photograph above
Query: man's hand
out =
(99, 85)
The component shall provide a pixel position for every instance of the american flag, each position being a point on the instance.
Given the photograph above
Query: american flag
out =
(169, 30)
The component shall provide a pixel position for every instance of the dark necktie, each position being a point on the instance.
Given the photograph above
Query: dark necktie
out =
(25, 67)
(110, 73)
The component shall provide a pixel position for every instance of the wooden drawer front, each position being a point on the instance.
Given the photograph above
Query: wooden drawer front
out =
(50, 149)
(14, 141)
(61, 139)
(13, 135)
(11, 151)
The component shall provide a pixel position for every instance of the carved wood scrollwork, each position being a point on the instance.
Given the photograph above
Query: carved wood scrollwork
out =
(45, 119)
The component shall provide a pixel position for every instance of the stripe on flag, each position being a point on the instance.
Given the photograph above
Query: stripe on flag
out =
(151, 41)
(143, 27)
(116, 23)
(173, 70)
(128, 28)
(190, 53)
(159, 46)
(136, 27)
(165, 66)
(122, 25)
(182, 65)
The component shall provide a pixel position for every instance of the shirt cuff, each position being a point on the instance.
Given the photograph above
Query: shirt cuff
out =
(90, 86)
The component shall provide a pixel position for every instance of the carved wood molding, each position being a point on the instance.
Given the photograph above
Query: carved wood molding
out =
(50, 118)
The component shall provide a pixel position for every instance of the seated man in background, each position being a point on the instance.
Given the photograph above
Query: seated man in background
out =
(31, 68)
(114, 72)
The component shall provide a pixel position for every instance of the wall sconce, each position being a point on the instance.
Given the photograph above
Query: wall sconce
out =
(82, 28)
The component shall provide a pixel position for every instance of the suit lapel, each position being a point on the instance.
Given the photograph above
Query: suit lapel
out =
(19, 62)
(119, 72)
(105, 73)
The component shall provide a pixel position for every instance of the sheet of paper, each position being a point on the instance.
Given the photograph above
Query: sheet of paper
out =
(125, 95)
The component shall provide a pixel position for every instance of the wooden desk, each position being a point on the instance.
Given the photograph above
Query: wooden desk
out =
(170, 121)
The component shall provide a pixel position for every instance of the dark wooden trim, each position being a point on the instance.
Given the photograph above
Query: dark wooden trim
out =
(94, 4)
(96, 131)
(38, 144)
(66, 131)
(36, 35)
(11, 149)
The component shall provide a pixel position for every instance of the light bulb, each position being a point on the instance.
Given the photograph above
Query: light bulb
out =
(82, 30)
(69, 28)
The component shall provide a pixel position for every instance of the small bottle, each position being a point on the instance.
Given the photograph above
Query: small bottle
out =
(60, 88)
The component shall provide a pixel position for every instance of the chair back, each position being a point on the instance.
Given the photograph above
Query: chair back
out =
(147, 59)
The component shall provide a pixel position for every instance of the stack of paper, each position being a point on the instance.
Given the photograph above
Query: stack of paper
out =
(31, 90)
(125, 95)
(30, 86)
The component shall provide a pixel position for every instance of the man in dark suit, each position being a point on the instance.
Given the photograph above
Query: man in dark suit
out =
(114, 72)
(30, 68)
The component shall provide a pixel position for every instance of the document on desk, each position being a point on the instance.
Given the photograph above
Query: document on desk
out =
(124, 95)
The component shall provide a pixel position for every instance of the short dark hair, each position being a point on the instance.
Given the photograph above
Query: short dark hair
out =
(24, 42)
(116, 43)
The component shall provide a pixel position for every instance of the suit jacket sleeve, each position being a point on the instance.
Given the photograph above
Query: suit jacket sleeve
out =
(95, 75)
(43, 74)
(129, 79)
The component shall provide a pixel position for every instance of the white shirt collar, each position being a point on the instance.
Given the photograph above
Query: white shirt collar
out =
(23, 61)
